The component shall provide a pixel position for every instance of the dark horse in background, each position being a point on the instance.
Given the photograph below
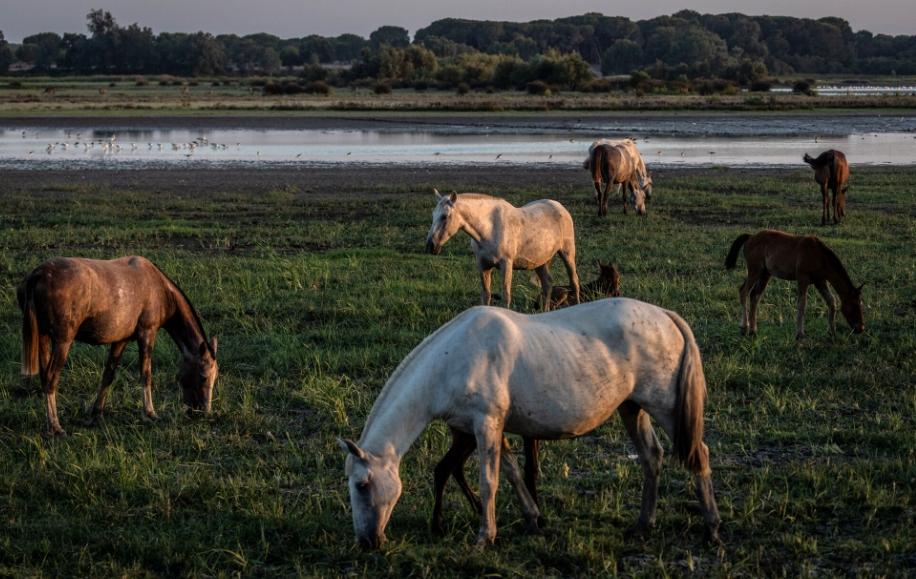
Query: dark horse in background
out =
(831, 171)
(113, 302)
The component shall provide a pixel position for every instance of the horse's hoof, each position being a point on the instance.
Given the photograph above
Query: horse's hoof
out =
(799, 337)
(58, 431)
(484, 541)
(436, 529)
(150, 417)
(638, 531)
(712, 536)
(745, 331)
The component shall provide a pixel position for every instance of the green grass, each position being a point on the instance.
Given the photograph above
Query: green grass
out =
(316, 297)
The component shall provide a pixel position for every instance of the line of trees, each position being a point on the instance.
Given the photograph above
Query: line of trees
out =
(454, 52)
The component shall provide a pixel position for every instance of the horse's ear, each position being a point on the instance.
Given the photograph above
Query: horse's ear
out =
(202, 349)
(213, 344)
(349, 446)
(453, 197)
(436, 192)
(599, 264)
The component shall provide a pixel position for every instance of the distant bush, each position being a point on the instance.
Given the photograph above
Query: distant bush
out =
(15, 85)
(463, 88)
(710, 86)
(538, 87)
(141, 81)
(803, 87)
(318, 87)
(382, 88)
(761, 86)
(420, 85)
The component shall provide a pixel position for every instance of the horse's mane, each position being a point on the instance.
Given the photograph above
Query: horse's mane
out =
(837, 264)
(398, 371)
(478, 196)
(194, 314)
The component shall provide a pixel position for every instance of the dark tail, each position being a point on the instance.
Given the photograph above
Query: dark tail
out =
(732, 259)
(29, 328)
(688, 409)
(810, 160)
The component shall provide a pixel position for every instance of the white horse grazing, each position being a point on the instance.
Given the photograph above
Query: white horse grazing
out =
(507, 237)
(546, 376)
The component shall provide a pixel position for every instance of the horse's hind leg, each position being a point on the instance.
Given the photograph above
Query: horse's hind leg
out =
(114, 358)
(825, 202)
(743, 292)
(488, 433)
(51, 380)
(505, 269)
(452, 464)
(650, 452)
(756, 292)
(568, 256)
(543, 273)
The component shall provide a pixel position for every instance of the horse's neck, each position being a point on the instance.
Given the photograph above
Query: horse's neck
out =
(839, 279)
(183, 325)
(400, 413)
(476, 217)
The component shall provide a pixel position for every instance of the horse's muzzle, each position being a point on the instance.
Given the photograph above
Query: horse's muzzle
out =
(432, 247)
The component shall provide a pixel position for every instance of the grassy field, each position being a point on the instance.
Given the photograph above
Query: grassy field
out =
(169, 95)
(316, 291)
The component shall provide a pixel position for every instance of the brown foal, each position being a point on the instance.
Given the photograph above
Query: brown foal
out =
(804, 259)
(831, 171)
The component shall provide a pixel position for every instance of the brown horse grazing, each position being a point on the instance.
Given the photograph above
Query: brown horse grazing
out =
(831, 171)
(110, 302)
(463, 445)
(794, 257)
(606, 286)
(613, 165)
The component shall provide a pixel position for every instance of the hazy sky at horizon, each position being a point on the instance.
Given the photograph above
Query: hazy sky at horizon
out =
(296, 18)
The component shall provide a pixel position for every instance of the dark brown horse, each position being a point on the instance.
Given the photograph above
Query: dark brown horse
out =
(110, 302)
(463, 445)
(831, 171)
(606, 286)
(793, 257)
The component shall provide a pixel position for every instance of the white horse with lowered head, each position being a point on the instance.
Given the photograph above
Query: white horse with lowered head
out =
(507, 237)
(547, 376)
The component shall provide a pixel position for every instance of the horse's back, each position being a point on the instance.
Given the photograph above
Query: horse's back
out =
(565, 372)
(99, 301)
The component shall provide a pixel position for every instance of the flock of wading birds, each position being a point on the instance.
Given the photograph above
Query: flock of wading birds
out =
(489, 371)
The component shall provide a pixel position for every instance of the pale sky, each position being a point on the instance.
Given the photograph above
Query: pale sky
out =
(296, 18)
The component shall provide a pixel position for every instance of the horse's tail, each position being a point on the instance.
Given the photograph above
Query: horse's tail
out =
(29, 328)
(731, 260)
(810, 160)
(688, 408)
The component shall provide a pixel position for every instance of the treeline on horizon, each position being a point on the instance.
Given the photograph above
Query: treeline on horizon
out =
(683, 50)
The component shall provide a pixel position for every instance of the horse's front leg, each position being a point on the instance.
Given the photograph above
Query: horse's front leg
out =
(146, 339)
(486, 279)
(505, 268)
(528, 503)
(111, 365)
(831, 305)
(825, 202)
(802, 302)
(452, 464)
(489, 444)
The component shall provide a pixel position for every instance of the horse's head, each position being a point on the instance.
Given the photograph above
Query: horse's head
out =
(375, 487)
(609, 279)
(647, 185)
(851, 307)
(197, 376)
(446, 222)
(638, 200)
